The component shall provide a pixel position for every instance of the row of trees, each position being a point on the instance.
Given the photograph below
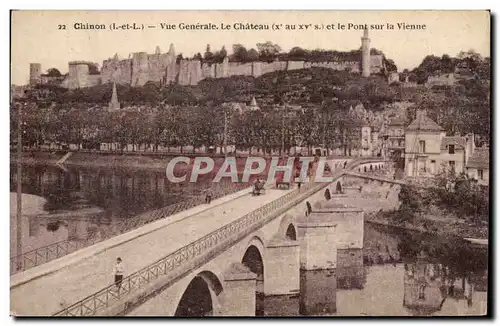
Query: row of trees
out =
(269, 51)
(189, 125)
(467, 62)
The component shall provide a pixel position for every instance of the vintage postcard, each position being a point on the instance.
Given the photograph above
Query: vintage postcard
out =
(250, 163)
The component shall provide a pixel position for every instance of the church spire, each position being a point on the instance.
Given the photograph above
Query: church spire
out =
(114, 104)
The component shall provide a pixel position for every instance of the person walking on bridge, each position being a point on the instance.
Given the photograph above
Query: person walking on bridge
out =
(118, 272)
(208, 196)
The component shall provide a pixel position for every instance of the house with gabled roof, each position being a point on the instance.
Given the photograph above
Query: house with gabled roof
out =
(428, 151)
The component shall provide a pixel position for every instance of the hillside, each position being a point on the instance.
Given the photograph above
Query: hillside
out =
(304, 86)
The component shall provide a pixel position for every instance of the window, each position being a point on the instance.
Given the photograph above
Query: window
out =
(451, 149)
(480, 174)
(421, 146)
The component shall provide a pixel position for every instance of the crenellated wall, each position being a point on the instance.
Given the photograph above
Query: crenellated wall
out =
(142, 67)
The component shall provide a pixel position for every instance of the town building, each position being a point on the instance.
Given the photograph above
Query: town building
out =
(428, 151)
(478, 165)
(394, 138)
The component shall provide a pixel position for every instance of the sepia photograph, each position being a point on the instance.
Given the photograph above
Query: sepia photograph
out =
(287, 163)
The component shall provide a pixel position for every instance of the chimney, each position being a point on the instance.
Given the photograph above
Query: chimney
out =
(469, 146)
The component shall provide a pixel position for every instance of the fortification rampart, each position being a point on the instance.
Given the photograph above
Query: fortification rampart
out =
(165, 68)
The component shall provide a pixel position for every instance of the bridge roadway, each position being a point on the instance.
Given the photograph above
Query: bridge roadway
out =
(52, 292)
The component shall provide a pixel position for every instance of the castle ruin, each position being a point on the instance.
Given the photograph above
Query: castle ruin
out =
(142, 67)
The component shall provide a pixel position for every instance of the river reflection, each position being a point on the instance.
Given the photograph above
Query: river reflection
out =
(82, 200)
(396, 274)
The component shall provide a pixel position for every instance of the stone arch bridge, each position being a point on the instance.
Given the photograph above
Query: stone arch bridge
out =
(220, 272)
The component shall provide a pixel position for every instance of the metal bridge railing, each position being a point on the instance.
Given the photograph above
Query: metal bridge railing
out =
(59, 249)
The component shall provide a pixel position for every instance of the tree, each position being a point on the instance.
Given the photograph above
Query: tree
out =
(220, 55)
(179, 58)
(208, 56)
(93, 69)
(461, 196)
(298, 54)
(390, 65)
(240, 53)
(253, 55)
(198, 56)
(268, 51)
(53, 72)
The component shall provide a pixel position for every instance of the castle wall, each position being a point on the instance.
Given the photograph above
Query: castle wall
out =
(256, 69)
(272, 66)
(143, 67)
(184, 78)
(194, 71)
(376, 63)
(295, 65)
(208, 71)
(236, 68)
(78, 76)
(35, 73)
(94, 80)
(352, 66)
(140, 69)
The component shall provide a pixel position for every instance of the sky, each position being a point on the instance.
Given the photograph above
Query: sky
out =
(36, 36)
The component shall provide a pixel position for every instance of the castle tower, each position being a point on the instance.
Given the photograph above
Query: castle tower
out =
(78, 74)
(365, 53)
(171, 72)
(171, 49)
(35, 73)
(114, 104)
(157, 50)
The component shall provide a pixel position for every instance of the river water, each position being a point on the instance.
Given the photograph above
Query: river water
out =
(397, 273)
(109, 196)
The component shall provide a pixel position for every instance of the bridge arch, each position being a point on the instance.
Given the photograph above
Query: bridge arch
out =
(253, 259)
(338, 187)
(287, 229)
(328, 195)
(201, 296)
(291, 233)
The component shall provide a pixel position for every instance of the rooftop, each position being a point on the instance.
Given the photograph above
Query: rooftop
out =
(458, 141)
(480, 159)
(424, 123)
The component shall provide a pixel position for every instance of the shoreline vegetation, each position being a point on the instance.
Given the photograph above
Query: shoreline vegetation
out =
(449, 205)
(430, 226)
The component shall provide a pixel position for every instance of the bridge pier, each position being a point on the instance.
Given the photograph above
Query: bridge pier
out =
(282, 273)
(238, 298)
(318, 248)
(318, 292)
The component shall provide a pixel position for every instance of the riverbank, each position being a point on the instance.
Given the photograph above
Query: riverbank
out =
(442, 226)
(137, 161)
